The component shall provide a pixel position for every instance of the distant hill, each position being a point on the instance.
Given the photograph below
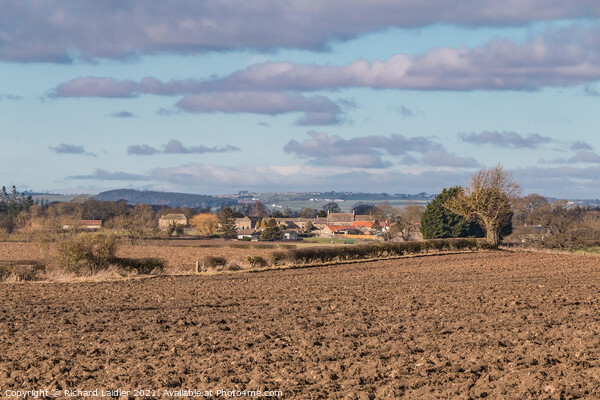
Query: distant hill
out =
(170, 199)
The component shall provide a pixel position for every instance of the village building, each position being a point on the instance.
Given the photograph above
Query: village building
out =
(290, 235)
(252, 234)
(87, 224)
(297, 224)
(364, 217)
(340, 219)
(330, 231)
(247, 222)
(365, 226)
(172, 219)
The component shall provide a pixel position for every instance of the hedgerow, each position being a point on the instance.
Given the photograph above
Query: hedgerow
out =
(311, 255)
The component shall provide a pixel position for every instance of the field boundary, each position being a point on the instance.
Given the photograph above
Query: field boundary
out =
(103, 279)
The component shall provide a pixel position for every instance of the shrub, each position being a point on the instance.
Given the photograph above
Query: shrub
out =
(141, 265)
(213, 262)
(75, 253)
(257, 261)
(278, 257)
(233, 267)
(21, 270)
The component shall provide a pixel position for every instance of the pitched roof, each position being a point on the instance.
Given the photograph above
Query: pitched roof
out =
(364, 217)
(179, 217)
(340, 217)
(363, 224)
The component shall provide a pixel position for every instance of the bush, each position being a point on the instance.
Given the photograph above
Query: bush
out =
(278, 258)
(140, 265)
(233, 267)
(213, 262)
(86, 251)
(257, 261)
(21, 270)
(5, 272)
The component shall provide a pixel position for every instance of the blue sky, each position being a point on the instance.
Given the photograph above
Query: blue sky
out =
(220, 96)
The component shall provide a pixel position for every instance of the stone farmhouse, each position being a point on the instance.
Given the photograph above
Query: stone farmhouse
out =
(247, 223)
(169, 219)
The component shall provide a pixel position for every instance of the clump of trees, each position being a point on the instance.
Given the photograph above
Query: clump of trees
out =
(559, 224)
(487, 199)
(11, 205)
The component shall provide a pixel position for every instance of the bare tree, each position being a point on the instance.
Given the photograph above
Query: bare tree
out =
(407, 222)
(488, 199)
(259, 210)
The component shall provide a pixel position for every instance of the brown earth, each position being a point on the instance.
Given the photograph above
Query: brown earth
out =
(179, 258)
(499, 325)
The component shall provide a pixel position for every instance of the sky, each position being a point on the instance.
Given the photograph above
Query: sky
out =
(217, 96)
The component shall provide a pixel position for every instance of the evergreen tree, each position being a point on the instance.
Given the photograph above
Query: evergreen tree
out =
(439, 222)
(227, 221)
(272, 232)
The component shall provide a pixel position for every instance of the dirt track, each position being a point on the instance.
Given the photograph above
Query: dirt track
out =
(499, 325)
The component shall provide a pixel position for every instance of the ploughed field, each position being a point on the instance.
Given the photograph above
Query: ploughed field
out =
(501, 325)
(180, 258)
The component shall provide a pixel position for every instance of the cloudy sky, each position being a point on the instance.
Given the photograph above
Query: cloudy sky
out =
(216, 96)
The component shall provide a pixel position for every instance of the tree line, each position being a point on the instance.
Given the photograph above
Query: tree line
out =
(490, 205)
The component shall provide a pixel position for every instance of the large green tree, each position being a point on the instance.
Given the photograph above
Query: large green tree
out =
(227, 222)
(439, 222)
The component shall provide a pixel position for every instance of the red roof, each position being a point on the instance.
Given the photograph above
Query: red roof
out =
(335, 228)
(363, 224)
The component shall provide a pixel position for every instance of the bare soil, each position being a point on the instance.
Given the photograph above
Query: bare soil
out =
(180, 258)
(498, 325)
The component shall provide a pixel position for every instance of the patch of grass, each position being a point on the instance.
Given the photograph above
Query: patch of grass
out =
(590, 250)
